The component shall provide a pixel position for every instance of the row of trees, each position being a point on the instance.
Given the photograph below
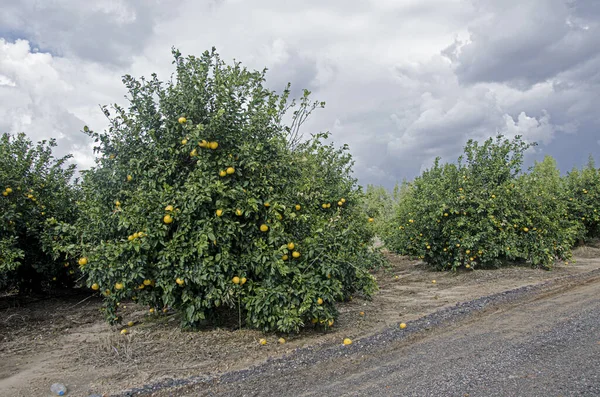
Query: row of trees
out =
(484, 211)
(203, 200)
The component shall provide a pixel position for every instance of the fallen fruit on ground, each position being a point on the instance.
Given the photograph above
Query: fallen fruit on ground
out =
(347, 341)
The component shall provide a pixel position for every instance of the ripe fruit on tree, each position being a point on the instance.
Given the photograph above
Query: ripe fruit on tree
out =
(83, 261)
(165, 173)
(95, 287)
(182, 120)
(319, 301)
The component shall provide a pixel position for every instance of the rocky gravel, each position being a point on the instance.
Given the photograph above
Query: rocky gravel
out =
(537, 340)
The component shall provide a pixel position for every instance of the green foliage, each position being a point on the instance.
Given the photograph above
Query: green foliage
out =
(482, 212)
(186, 177)
(37, 192)
(583, 191)
(378, 204)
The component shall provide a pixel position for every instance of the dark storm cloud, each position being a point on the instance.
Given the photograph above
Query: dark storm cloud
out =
(101, 31)
(527, 42)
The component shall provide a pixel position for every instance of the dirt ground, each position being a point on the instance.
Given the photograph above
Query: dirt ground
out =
(65, 339)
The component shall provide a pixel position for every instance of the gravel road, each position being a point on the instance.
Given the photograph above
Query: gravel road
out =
(535, 341)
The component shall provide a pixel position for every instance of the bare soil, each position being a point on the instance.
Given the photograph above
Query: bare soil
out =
(65, 339)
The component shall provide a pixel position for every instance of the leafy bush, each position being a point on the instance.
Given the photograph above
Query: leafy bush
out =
(482, 212)
(583, 191)
(36, 193)
(378, 204)
(202, 200)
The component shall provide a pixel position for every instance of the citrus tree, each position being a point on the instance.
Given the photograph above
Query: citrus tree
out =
(378, 204)
(37, 191)
(204, 201)
(482, 212)
(583, 195)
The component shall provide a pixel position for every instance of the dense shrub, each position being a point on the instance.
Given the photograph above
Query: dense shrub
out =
(36, 193)
(483, 212)
(582, 188)
(204, 201)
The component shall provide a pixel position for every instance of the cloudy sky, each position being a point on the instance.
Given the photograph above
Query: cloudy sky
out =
(404, 80)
